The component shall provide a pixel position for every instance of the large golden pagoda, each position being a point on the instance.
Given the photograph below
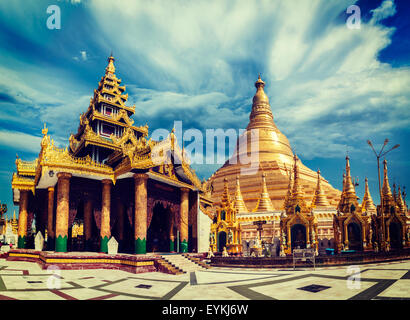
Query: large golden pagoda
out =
(275, 157)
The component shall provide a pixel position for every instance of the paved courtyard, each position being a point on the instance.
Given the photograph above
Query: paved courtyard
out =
(27, 281)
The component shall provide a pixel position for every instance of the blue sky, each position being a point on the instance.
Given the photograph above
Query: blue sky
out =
(330, 87)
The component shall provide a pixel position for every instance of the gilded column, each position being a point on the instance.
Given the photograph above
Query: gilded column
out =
(22, 223)
(88, 216)
(140, 188)
(50, 219)
(105, 231)
(183, 220)
(63, 201)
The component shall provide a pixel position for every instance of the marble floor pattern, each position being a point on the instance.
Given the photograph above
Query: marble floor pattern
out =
(27, 281)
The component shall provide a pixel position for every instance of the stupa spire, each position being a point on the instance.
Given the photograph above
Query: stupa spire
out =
(110, 67)
(348, 197)
(225, 195)
(386, 191)
(297, 190)
(400, 202)
(264, 202)
(261, 115)
(368, 204)
(239, 204)
(349, 184)
(320, 198)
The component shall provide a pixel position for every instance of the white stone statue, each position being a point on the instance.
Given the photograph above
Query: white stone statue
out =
(112, 246)
(282, 251)
(257, 243)
(225, 253)
(210, 253)
(230, 236)
(39, 242)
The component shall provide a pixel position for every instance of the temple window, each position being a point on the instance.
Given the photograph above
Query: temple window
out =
(107, 130)
(108, 111)
(222, 215)
(107, 96)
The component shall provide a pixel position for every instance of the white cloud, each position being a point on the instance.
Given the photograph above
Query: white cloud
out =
(386, 9)
(20, 141)
(319, 73)
(197, 61)
(83, 55)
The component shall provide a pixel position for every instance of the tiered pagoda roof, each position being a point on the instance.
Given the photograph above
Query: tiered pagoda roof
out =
(367, 203)
(319, 200)
(348, 197)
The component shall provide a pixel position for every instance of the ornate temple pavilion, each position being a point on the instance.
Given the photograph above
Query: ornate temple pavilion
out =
(111, 181)
(363, 227)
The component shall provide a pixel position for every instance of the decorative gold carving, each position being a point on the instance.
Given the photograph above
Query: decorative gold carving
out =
(23, 183)
(26, 168)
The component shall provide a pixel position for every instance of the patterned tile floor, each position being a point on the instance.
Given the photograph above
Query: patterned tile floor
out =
(27, 281)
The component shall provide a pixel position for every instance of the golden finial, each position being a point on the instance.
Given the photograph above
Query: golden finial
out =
(110, 67)
(239, 204)
(264, 202)
(225, 194)
(386, 187)
(400, 202)
(319, 198)
(44, 131)
(349, 183)
(367, 203)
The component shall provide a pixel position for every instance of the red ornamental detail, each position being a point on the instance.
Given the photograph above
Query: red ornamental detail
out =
(30, 218)
(130, 214)
(97, 217)
(71, 216)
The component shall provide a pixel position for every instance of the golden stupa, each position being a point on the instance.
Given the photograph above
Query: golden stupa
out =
(274, 159)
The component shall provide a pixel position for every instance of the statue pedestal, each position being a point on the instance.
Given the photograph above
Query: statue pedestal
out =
(234, 248)
(257, 251)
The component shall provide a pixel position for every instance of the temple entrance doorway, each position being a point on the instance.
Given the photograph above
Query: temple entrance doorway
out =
(354, 236)
(75, 241)
(298, 236)
(221, 241)
(395, 235)
(127, 245)
(157, 233)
